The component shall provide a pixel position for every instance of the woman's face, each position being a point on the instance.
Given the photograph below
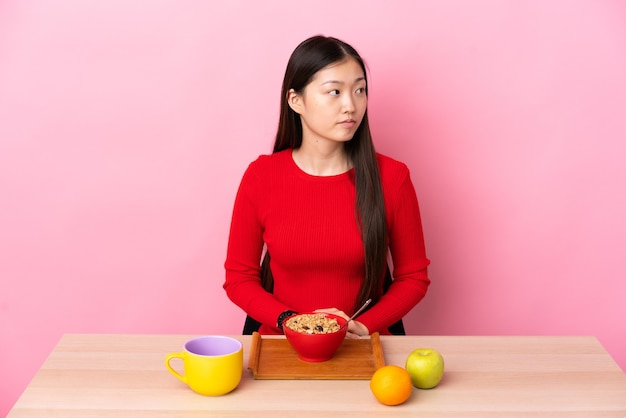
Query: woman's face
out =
(332, 105)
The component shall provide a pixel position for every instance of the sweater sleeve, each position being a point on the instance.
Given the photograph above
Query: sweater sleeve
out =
(408, 255)
(245, 247)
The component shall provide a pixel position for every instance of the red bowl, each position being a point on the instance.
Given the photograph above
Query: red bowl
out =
(316, 347)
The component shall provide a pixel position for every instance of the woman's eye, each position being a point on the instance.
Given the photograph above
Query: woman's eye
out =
(360, 90)
(334, 92)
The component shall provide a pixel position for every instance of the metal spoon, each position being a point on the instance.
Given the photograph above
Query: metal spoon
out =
(367, 302)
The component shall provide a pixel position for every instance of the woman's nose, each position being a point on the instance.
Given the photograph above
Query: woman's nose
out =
(348, 104)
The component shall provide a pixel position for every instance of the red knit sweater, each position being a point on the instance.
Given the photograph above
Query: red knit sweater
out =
(309, 227)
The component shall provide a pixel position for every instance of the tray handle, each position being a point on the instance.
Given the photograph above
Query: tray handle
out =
(377, 350)
(255, 352)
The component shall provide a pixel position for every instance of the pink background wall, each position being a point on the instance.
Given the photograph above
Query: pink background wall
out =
(125, 128)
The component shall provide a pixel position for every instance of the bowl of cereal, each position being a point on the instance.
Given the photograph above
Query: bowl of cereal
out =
(315, 336)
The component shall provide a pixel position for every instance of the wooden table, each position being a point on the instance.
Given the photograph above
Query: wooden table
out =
(124, 376)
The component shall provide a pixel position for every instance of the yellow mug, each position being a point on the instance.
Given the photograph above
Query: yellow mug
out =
(212, 364)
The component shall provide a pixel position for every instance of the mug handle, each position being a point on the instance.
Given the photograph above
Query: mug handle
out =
(168, 358)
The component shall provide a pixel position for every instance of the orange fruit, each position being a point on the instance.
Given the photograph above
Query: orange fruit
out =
(391, 385)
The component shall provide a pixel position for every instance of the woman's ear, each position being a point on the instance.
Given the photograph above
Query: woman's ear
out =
(294, 99)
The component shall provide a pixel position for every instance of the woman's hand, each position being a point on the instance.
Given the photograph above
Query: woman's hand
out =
(355, 328)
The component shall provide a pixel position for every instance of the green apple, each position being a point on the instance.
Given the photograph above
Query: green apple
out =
(425, 365)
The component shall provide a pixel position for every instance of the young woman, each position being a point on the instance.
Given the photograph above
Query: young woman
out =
(325, 207)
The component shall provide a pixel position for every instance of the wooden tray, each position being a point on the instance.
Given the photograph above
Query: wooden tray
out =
(273, 358)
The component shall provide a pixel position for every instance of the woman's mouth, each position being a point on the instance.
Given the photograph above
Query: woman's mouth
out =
(348, 123)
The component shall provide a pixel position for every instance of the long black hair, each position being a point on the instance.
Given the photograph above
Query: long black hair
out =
(307, 59)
